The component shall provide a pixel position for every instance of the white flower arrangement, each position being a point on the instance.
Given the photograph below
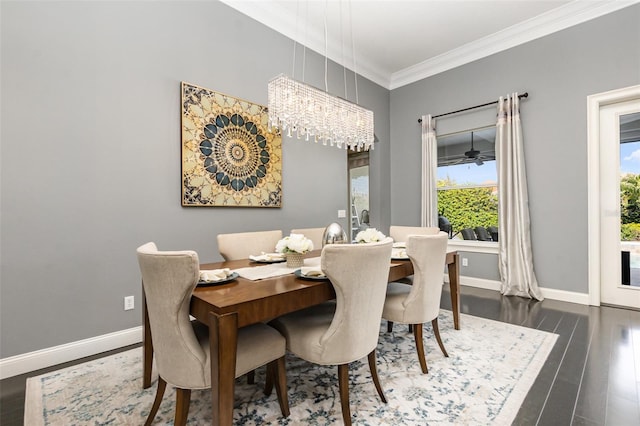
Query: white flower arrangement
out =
(369, 235)
(294, 243)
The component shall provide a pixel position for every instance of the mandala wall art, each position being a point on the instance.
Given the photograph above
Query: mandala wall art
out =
(229, 157)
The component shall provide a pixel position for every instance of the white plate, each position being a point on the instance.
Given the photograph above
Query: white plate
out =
(298, 273)
(231, 277)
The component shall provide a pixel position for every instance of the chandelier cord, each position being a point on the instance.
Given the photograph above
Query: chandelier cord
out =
(293, 69)
(353, 51)
(344, 66)
(304, 45)
(326, 52)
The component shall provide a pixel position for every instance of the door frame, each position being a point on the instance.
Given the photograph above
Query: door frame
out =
(594, 103)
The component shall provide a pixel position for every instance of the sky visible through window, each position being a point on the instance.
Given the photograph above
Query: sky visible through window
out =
(630, 158)
(464, 174)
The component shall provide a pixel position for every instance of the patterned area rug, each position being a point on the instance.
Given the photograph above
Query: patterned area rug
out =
(490, 368)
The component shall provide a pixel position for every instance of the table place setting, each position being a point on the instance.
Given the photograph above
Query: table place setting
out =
(399, 254)
(217, 276)
(268, 258)
(255, 273)
(310, 273)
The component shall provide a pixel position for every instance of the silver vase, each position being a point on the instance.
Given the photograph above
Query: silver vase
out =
(334, 234)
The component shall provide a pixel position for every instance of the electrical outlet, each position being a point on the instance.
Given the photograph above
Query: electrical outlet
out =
(128, 303)
(342, 213)
(465, 261)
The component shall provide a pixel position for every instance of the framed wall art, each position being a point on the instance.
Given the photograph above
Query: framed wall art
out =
(229, 157)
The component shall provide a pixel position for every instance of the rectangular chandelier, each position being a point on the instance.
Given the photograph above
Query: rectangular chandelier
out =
(296, 107)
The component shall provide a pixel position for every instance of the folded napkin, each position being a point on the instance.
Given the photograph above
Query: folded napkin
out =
(400, 244)
(266, 257)
(311, 271)
(399, 253)
(212, 275)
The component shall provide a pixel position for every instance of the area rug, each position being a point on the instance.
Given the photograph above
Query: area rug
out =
(490, 368)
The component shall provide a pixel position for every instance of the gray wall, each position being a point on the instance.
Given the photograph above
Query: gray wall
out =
(90, 153)
(559, 71)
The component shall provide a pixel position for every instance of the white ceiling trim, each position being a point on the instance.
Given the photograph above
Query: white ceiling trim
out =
(572, 13)
(287, 24)
(555, 20)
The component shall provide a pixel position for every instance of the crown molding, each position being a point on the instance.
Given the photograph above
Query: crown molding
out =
(573, 13)
(563, 17)
(286, 24)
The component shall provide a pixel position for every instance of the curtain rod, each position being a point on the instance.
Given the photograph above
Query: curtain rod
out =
(524, 95)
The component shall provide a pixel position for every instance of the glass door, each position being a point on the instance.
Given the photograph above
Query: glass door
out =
(629, 128)
(358, 191)
(620, 204)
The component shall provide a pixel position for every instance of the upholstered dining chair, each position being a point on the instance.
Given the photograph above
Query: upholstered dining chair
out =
(419, 302)
(241, 245)
(347, 329)
(401, 233)
(314, 234)
(181, 346)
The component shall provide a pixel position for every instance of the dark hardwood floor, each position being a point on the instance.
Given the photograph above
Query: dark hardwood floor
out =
(592, 376)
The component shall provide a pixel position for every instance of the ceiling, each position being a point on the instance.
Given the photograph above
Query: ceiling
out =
(398, 42)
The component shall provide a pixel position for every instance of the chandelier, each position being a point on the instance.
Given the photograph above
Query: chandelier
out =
(296, 107)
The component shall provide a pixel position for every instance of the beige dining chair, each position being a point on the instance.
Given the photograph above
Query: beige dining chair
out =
(419, 302)
(241, 245)
(182, 347)
(347, 329)
(401, 233)
(314, 234)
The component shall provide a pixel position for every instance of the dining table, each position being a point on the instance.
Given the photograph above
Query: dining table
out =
(229, 306)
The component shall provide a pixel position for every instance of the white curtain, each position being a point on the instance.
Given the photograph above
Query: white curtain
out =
(429, 214)
(515, 257)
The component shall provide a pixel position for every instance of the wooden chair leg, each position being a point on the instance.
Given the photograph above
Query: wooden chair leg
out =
(373, 367)
(183, 398)
(410, 328)
(417, 333)
(279, 376)
(162, 385)
(343, 381)
(251, 377)
(389, 326)
(436, 331)
(268, 383)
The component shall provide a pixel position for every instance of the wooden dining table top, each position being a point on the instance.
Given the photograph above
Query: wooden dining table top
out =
(259, 300)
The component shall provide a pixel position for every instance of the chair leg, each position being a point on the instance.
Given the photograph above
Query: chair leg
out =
(183, 398)
(343, 381)
(436, 331)
(389, 326)
(279, 376)
(268, 383)
(251, 377)
(162, 385)
(417, 333)
(373, 367)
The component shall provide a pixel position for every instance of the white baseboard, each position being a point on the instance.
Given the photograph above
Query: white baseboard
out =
(36, 360)
(548, 293)
(565, 296)
(20, 364)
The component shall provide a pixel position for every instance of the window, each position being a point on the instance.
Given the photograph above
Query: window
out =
(467, 184)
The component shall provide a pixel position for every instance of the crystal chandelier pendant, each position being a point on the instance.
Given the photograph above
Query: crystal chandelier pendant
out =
(296, 107)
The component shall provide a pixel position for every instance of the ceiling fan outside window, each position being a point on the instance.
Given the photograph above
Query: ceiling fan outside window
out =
(474, 154)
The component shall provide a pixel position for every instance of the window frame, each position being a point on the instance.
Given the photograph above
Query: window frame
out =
(475, 246)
